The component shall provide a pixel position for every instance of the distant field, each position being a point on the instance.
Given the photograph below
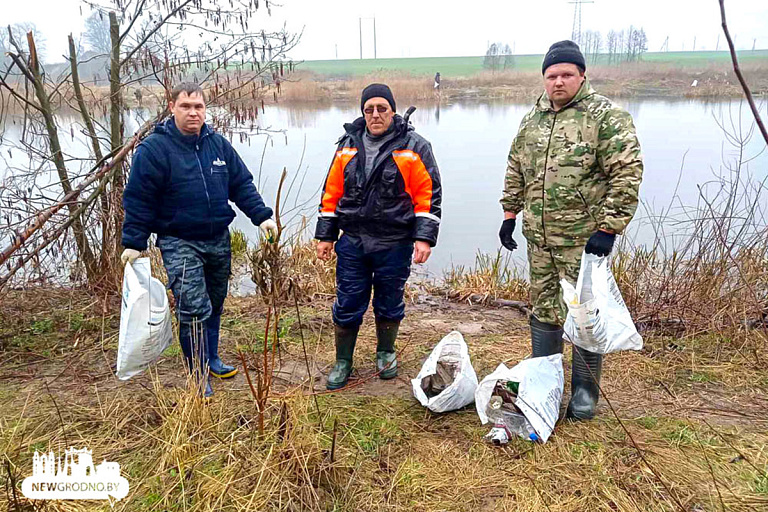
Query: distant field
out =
(463, 66)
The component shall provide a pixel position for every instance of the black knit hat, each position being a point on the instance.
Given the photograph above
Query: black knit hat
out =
(564, 51)
(378, 91)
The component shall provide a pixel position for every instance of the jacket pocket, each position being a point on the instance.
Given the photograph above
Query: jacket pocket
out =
(220, 179)
(586, 206)
(389, 183)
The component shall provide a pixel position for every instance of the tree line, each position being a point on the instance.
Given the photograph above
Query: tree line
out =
(60, 203)
(616, 47)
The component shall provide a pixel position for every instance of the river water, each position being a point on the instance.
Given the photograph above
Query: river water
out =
(685, 144)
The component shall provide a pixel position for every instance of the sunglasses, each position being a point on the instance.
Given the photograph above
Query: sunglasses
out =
(379, 108)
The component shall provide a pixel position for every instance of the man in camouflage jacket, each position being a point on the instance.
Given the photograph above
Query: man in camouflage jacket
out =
(574, 170)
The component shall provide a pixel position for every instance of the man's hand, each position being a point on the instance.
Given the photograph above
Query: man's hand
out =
(269, 228)
(129, 256)
(421, 251)
(324, 250)
(505, 234)
(600, 243)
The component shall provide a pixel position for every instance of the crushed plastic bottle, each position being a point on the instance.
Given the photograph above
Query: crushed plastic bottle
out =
(514, 423)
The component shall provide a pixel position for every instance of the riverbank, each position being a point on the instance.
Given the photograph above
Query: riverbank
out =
(636, 80)
(694, 407)
(696, 80)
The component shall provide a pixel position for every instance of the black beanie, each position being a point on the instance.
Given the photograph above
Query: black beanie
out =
(378, 91)
(564, 51)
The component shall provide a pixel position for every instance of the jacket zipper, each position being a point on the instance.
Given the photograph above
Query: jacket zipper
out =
(544, 183)
(205, 186)
(384, 150)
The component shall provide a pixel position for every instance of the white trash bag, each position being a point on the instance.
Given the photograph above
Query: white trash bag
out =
(447, 380)
(598, 319)
(145, 320)
(523, 400)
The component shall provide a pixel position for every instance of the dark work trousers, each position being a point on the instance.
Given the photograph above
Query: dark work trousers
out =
(386, 271)
(198, 276)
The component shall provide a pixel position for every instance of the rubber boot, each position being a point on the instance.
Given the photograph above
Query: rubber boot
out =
(218, 368)
(585, 390)
(192, 338)
(346, 338)
(546, 339)
(386, 357)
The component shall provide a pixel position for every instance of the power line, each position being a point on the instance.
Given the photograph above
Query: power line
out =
(576, 31)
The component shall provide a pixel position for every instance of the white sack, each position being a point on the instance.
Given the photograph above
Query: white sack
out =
(539, 394)
(598, 319)
(145, 320)
(461, 392)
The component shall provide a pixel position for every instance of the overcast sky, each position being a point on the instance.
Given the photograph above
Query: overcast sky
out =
(436, 28)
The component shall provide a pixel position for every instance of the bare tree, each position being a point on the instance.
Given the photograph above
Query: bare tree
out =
(237, 64)
(610, 45)
(96, 34)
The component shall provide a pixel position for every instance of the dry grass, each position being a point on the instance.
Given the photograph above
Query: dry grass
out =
(629, 80)
(179, 453)
(492, 277)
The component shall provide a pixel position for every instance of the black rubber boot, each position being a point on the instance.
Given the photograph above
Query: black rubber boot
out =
(346, 338)
(546, 339)
(585, 390)
(386, 357)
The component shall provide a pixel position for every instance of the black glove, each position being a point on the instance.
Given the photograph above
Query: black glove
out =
(600, 243)
(505, 234)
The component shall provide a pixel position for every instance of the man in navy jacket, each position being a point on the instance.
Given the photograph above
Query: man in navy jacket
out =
(182, 179)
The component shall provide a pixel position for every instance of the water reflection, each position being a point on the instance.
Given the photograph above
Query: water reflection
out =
(691, 142)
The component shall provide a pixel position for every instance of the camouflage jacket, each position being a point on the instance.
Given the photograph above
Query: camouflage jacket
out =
(574, 171)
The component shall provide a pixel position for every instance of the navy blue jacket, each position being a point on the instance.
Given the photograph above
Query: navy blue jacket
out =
(181, 185)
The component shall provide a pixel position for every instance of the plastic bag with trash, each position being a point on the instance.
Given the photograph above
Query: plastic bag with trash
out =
(598, 319)
(523, 400)
(447, 380)
(145, 320)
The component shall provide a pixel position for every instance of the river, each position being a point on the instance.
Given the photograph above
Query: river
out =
(685, 144)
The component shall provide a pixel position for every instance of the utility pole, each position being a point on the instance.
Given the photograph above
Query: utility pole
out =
(374, 37)
(337, 51)
(665, 45)
(576, 31)
(717, 46)
(694, 43)
(360, 20)
(754, 42)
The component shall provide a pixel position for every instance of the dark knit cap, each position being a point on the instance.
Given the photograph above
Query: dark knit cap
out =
(564, 51)
(378, 91)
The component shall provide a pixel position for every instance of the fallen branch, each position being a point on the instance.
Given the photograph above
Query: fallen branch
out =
(101, 170)
(485, 299)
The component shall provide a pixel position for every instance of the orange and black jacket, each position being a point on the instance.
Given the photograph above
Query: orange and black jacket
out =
(400, 199)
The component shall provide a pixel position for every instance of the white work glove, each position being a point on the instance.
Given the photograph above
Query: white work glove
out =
(269, 228)
(129, 256)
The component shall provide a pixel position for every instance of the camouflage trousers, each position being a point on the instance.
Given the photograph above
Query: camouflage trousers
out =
(198, 274)
(548, 265)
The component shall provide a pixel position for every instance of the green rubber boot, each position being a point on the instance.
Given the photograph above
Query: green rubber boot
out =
(386, 357)
(346, 338)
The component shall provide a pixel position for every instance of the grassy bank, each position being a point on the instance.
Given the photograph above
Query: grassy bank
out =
(696, 409)
(464, 66)
(645, 79)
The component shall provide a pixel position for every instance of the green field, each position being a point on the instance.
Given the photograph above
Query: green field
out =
(463, 66)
